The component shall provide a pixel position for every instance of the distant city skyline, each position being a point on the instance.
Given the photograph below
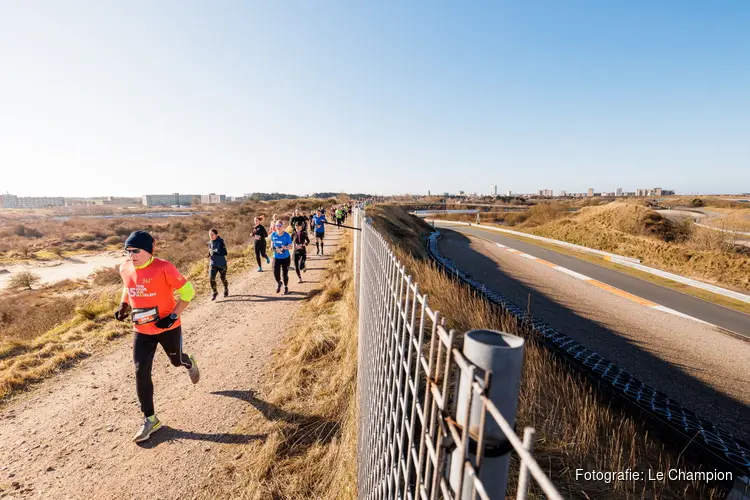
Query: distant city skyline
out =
(127, 98)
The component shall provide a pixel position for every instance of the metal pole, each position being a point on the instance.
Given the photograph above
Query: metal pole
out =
(502, 355)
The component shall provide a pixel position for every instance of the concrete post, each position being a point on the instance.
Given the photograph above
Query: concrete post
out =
(502, 355)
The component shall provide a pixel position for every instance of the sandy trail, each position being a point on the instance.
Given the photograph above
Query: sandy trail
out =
(80, 266)
(70, 436)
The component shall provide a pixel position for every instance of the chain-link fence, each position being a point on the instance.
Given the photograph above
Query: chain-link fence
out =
(431, 422)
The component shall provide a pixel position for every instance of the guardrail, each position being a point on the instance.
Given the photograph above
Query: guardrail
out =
(434, 421)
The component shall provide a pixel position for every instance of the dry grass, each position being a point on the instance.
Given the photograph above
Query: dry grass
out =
(24, 360)
(576, 426)
(635, 231)
(730, 220)
(308, 407)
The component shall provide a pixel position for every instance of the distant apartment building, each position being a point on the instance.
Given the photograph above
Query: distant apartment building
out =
(161, 200)
(13, 201)
(563, 194)
(8, 201)
(116, 200)
(618, 192)
(493, 189)
(591, 192)
(213, 199)
(546, 192)
(654, 192)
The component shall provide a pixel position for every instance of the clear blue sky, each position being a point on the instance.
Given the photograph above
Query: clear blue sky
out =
(126, 98)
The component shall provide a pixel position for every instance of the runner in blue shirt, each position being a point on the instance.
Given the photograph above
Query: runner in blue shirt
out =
(318, 223)
(281, 242)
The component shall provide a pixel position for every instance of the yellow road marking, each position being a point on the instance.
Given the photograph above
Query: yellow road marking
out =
(623, 293)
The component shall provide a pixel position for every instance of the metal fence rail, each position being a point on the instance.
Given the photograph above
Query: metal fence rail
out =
(427, 416)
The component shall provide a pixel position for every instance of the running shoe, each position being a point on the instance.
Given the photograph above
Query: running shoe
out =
(226, 292)
(260, 269)
(268, 261)
(300, 280)
(278, 287)
(150, 425)
(286, 290)
(194, 371)
(214, 295)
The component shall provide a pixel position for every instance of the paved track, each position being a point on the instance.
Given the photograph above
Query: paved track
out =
(700, 366)
(723, 317)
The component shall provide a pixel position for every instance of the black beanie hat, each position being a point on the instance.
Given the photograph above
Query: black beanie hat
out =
(140, 239)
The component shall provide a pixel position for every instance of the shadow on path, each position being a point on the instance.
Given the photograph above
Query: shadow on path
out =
(304, 430)
(170, 434)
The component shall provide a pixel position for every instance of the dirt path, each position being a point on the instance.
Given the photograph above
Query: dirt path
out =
(72, 268)
(70, 436)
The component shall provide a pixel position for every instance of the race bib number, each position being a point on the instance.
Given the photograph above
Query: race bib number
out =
(144, 316)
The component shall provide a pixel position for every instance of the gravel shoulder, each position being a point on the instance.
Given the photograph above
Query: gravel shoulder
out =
(70, 436)
(701, 367)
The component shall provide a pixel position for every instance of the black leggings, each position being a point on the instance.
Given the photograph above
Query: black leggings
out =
(319, 242)
(281, 267)
(260, 251)
(300, 257)
(222, 272)
(144, 348)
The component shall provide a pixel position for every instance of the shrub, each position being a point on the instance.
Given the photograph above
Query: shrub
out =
(27, 232)
(113, 240)
(57, 251)
(84, 237)
(24, 251)
(107, 276)
(24, 280)
(95, 306)
(697, 202)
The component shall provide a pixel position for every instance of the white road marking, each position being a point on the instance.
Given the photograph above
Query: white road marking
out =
(612, 289)
(572, 273)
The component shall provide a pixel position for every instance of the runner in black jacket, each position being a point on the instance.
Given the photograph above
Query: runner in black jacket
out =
(300, 241)
(259, 236)
(217, 253)
(299, 218)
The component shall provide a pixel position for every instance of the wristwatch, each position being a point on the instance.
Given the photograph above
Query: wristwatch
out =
(173, 316)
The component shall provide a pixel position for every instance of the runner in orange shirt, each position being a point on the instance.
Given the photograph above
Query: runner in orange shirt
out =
(148, 296)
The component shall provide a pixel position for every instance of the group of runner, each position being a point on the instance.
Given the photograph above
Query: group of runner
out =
(149, 287)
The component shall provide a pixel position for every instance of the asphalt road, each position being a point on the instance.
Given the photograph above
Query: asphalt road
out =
(723, 317)
(697, 364)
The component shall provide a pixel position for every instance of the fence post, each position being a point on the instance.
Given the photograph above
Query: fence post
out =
(502, 355)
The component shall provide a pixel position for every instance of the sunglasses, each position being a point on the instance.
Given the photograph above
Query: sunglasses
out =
(279, 225)
(133, 250)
